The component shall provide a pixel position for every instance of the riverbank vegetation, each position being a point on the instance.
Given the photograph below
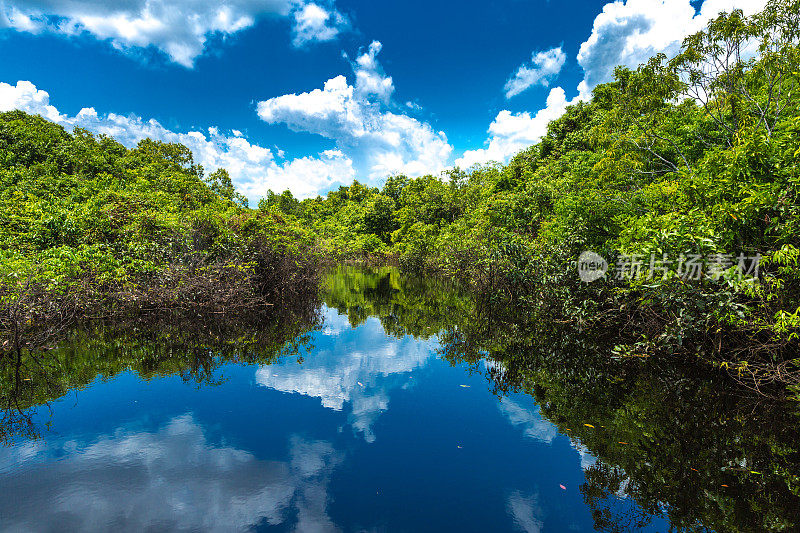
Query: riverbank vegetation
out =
(91, 229)
(692, 156)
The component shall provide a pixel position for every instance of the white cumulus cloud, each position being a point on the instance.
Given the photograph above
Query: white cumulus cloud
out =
(316, 23)
(512, 132)
(178, 28)
(625, 32)
(171, 478)
(252, 167)
(630, 32)
(359, 118)
(542, 69)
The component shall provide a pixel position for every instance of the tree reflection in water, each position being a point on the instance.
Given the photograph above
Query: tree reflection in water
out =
(192, 349)
(678, 439)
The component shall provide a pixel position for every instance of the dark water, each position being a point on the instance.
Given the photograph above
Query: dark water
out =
(386, 414)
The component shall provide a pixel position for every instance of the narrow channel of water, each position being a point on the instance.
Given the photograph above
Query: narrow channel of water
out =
(396, 410)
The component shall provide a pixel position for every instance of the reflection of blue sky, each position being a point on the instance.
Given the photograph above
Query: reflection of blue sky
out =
(528, 420)
(534, 426)
(525, 511)
(171, 479)
(354, 367)
(523, 413)
(334, 323)
(129, 455)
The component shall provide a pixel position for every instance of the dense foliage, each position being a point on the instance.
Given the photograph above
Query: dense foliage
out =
(90, 228)
(694, 155)
(417, 305)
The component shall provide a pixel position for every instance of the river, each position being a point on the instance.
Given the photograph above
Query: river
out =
(399, 406)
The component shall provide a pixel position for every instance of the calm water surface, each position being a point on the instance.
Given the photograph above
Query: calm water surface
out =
(360, 430)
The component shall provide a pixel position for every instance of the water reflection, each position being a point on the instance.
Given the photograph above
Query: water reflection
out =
(402, 405)
(172, 479)
(529, 420)
(526, 511)
(356, 367)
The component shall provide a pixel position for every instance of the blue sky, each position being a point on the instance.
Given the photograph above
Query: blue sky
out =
(310, 94)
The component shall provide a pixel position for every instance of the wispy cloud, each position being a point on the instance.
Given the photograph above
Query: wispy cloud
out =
(543, 68)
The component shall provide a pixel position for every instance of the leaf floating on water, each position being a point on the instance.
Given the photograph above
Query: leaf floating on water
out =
(459, 447)
(589, 426)
(563, 487)
(465, 386)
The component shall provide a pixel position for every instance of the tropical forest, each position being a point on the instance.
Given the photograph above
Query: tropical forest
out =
(601, 333)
